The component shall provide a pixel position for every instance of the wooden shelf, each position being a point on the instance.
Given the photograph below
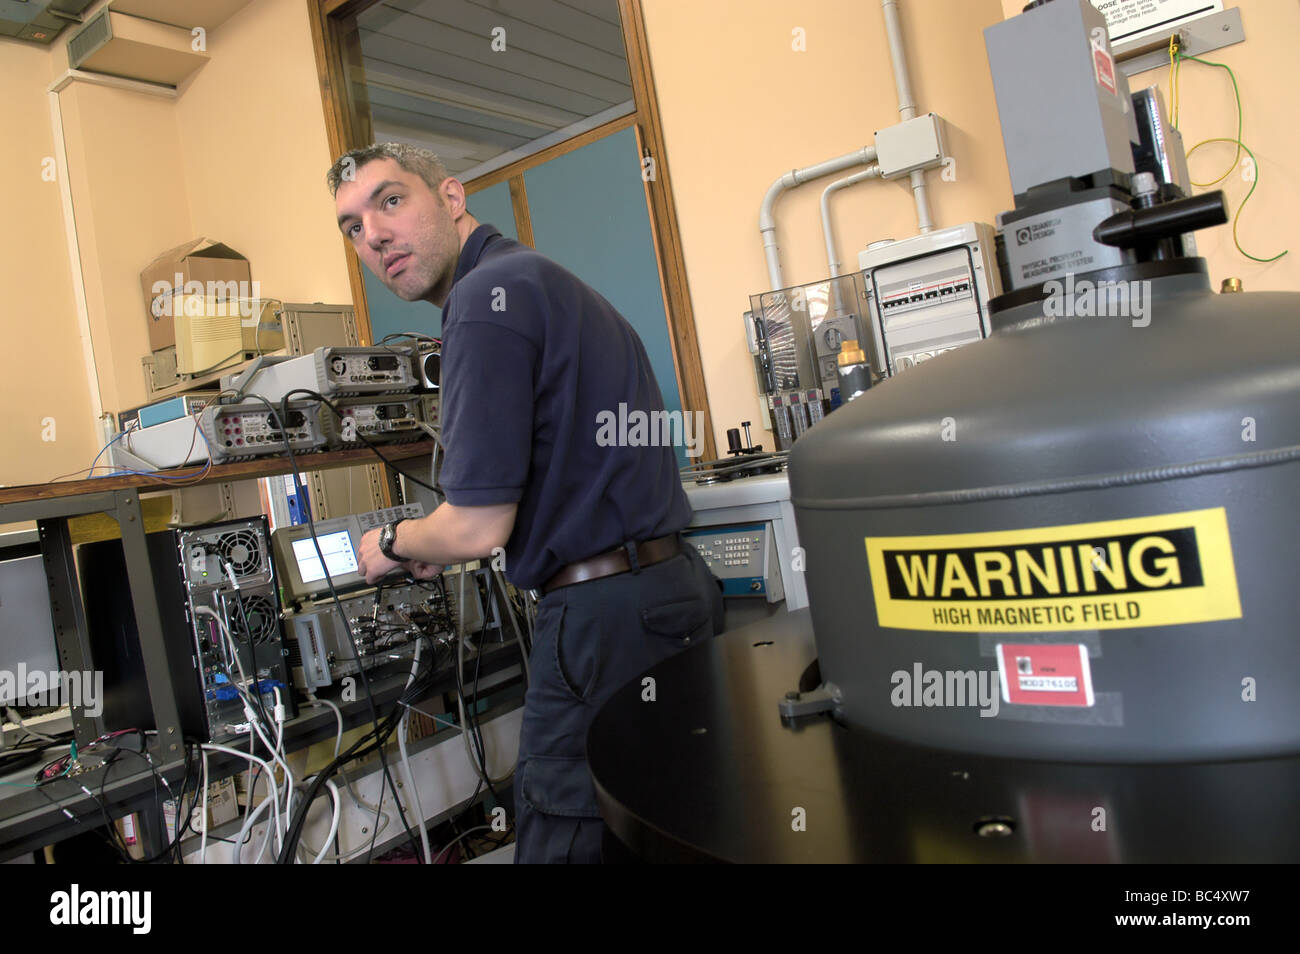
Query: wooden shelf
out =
(265, 467)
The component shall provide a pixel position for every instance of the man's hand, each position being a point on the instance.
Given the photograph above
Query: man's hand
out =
(422, 571)
(374, 566)
(449, 535)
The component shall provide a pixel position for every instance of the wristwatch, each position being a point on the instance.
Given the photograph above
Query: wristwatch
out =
(388, 537)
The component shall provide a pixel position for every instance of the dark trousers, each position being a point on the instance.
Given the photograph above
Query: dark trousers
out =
(591, 641)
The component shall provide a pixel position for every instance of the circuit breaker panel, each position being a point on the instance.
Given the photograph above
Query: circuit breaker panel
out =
(929, 294)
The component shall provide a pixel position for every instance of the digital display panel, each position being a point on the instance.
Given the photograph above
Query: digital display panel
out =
(337, 550)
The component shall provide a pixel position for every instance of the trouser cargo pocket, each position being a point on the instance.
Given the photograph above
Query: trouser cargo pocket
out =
(560, 820)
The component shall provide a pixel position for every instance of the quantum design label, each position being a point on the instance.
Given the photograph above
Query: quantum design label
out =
(1145, 571)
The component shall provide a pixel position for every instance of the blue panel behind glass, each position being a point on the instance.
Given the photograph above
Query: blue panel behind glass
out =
(389, 314)
(589, 213)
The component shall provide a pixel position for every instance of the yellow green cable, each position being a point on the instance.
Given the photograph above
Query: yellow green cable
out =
(1180, 56)
(1253, 184)
(1176, 58)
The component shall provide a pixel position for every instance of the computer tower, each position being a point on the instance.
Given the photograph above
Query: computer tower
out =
(225, 567)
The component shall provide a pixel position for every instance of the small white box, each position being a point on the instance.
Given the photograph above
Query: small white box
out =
(208, 333)
(907, 146)
(160, 446)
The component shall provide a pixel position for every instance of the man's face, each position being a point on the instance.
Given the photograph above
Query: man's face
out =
(402, 231)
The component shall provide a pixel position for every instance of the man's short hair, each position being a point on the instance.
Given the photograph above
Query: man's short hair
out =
(413, 159)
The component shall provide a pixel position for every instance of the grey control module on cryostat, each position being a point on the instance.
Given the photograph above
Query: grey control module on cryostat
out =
(1096, 507)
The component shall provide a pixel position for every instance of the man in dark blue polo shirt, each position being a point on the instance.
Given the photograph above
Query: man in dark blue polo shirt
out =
(532, 360)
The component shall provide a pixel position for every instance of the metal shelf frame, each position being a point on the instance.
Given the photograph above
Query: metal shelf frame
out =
(34, 817)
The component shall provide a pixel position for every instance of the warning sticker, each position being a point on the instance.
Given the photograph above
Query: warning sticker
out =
(1145, 571)
(1043, 674)
(1104, 67)
(1132, 19)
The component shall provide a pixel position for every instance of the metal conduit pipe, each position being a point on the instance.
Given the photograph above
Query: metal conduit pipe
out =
(766, 222)
(906, 103)
(871, 172)
(894, 32)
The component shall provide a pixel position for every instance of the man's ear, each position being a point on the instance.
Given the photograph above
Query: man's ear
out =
(453, 194)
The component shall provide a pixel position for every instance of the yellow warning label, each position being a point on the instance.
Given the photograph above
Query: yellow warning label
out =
(1145, 571)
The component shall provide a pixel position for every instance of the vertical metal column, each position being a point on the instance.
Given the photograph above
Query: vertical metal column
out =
(68, 614)
(153, 648)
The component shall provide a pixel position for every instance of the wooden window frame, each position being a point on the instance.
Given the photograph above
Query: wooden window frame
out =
(347, 126)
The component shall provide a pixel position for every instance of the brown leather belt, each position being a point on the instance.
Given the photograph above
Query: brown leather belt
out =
(614, 562)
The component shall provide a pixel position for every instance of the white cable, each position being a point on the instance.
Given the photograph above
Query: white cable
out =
(338, 744)
(270, 779)
(280, 823)
(266, 841)
(406, 761)
(248, 793)
(247, 828)
(288, 774)
(361, 803)
(338, 717)
(465, 727)
(334, 825)
(279, 722)
(255, 724)
(225, 631)
(283, 757)
(382, 818)
(203, 839)
(361, 850)
(281, 827)
(460, 836)
(239, 665)
(410, 780)
(14, 717)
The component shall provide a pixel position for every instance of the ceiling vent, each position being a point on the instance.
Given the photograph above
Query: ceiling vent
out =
(121, 45)
(39, 21)
(208, 14)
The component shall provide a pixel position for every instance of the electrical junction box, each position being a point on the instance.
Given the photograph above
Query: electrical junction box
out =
(915, 144)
